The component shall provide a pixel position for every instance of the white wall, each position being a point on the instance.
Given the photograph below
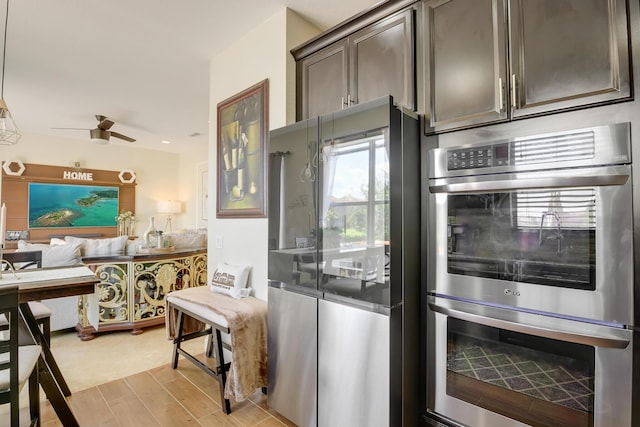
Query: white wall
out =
(190, 193)
(160, 175)
(261, 54)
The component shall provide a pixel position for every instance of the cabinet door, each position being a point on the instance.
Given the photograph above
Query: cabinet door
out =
(382, 61)
(568, 53)
(466, 79)
(323, 79)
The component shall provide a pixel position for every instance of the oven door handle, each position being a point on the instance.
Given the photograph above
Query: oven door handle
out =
(596, 340)
(508, 183)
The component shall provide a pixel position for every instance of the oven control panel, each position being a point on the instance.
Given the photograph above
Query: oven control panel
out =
(478, 157)
(586, 147)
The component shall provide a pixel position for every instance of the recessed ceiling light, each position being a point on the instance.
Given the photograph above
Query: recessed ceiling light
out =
(166, 142)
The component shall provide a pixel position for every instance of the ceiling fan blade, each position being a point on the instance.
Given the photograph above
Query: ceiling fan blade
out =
(105, 123)
(121, 136)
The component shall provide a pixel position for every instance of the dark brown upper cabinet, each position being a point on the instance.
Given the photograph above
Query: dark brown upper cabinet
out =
(497, 60)
(323, 81)
(373, 61)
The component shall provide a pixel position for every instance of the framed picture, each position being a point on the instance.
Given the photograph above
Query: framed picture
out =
(242, 154)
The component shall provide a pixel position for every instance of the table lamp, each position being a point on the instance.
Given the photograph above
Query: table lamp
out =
(169, 207)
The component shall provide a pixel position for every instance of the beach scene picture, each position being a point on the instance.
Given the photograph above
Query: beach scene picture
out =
(69, 205)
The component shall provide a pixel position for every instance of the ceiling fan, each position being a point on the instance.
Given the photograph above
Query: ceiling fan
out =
(101, 134)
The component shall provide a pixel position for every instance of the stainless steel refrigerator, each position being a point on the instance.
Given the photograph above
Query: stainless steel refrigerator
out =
(344, 303)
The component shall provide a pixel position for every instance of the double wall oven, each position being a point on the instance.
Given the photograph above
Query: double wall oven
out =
(530, 280)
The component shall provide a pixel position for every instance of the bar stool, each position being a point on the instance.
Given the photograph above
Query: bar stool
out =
(18, 363)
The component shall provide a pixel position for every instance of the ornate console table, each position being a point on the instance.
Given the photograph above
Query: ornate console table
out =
(132, 289)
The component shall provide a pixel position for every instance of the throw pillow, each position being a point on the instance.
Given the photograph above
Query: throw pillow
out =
(99, 247)
(231, 280)
(53, 256)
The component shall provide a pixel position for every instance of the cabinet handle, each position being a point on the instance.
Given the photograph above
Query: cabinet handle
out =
(513, 90)
(348, 103)
(501, 94)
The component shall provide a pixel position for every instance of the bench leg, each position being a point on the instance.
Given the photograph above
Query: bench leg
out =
(214, 344)
(177, 340)
(209, 350)
(220, 367)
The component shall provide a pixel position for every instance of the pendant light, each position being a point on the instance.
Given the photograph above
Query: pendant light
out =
(9, 133)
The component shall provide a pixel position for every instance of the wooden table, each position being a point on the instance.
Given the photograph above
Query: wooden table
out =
(38, 284)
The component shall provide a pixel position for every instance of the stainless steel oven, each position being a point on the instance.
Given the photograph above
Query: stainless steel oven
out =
(493, 367)
(540, 223)
(530, 280)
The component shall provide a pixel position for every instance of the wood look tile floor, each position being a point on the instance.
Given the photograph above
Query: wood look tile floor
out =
(154, 396)
(163, 397)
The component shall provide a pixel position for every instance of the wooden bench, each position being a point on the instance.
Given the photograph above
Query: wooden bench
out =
(216, 325)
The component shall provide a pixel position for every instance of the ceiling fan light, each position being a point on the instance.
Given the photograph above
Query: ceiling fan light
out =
(9, 133)
(99, 136)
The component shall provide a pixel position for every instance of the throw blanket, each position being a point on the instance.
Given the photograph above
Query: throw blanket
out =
(247, 319)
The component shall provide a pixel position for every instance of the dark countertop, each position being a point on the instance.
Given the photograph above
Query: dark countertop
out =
(142, 256)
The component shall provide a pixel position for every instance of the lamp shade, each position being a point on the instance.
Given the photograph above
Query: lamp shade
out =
(169, 206)
(9, 133)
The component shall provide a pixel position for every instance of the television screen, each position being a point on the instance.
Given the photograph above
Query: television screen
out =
(70, 205)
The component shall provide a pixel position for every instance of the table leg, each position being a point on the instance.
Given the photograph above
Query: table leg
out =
(55, 395)
(51, 379)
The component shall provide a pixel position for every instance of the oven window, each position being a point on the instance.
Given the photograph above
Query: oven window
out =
(535, 380)
(543, 237)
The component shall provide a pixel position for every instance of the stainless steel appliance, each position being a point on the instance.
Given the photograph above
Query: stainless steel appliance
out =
(530, 280)
(344, 297)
